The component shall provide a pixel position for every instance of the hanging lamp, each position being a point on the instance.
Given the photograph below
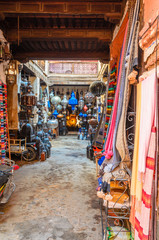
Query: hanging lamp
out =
(73, 101)
(85, 108)
(89, 97)
(80, 115)
(98, 88)
(64, 102)
(55, 113)
(56, 100)
(81, 103)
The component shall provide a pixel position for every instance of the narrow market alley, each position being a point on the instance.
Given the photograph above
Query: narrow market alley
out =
(55, 199)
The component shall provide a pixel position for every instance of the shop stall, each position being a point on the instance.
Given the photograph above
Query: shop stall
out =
(126, 159)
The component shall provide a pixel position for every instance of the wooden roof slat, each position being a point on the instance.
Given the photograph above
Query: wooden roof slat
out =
(104, 34)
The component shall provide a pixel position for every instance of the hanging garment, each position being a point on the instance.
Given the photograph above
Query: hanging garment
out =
(108, 144)
(141, 184)
(111, 93)
(136, 185)
(143, 218)
(146, 119)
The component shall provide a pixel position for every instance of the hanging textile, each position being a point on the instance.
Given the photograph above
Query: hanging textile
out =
(111, 93)
(108, 144)
(143, 167)
(136, 185)
(147, 118)
(3, 121)
(142, 218)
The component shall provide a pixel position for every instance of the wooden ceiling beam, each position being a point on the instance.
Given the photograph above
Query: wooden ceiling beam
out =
(61, 55)
(50, 15)
(102, 34)
(110, 9)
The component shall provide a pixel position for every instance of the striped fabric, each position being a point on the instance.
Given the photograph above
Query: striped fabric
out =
(3, 120)
(143, 218)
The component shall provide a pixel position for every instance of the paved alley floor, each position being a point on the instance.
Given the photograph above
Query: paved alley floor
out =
(55, 199)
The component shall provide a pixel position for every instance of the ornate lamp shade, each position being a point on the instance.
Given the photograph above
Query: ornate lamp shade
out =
(59, 108)
(81, 103)
(95, 115)
(49, 114)
(85, 108)
(98, 88)
(64, 102)
(89, 115)
(84, 115)
(71, 121)
(56, 100)
(55, 113)
(52, 123)
(80, 115)
(88, 111)
(60, 116)
(73, 101)
(89, 97)
(51, 94)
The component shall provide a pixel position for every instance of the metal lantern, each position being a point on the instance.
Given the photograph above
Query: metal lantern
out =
(60, 115)
(28, 99)
(81, 103)
(64, 102)
(52, 123)
(85, 108)
(98, 88)
(51, 94)
(56, 100)
(80, 115)
(89, 115)
(73, 101)
(89, 97)
(11, 73)
(95, 115)
(1, 52)
(55, 113)
(59, 108)
(71, 121)
(88, 111)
